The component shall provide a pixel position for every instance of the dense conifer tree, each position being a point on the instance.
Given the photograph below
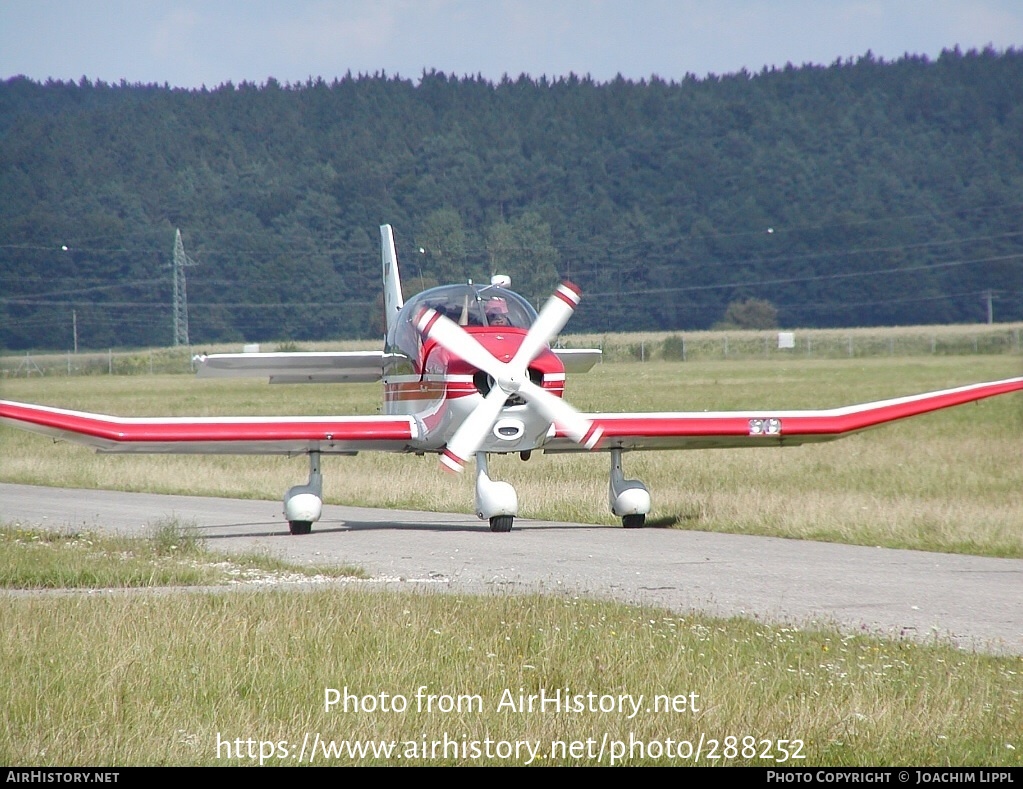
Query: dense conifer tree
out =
(864, 192)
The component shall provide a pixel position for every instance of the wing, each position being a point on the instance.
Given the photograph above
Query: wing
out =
(216, 435)
(296, 368)
(703, 430)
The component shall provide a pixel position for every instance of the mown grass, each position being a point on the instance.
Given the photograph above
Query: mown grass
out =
(949, 481)
(141, 680)
(171, 554)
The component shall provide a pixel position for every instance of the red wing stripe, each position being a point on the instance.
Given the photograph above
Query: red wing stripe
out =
(229, 429)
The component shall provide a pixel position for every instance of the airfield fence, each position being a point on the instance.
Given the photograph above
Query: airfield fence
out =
(807, 343)
(959, 340)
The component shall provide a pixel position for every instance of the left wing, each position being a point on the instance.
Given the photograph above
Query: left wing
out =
(249, 435)
(711, 429)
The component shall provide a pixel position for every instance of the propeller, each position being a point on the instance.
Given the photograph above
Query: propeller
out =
(510, 378)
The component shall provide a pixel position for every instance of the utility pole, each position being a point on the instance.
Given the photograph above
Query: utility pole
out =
(989, 297)
(181, 261)
(74, 327)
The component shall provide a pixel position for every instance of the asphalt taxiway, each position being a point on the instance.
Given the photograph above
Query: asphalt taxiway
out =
(972, 602)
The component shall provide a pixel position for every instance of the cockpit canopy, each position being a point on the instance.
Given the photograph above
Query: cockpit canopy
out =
(476, 305)
(467, 305)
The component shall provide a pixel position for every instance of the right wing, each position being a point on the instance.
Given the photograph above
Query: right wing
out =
(231, 435)
(296, 368)
(762, 428)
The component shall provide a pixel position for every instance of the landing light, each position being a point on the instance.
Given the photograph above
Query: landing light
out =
(509, 429)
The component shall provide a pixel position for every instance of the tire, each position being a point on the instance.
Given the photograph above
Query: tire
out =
(633, 521)
(501, 523)
(300, 527)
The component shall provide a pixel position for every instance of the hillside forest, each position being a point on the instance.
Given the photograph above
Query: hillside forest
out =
(861, 193)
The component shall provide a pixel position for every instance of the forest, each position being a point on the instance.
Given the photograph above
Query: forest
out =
(866, 192)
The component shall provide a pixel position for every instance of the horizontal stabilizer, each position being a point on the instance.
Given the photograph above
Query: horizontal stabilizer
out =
(578, 360)
(296, 368)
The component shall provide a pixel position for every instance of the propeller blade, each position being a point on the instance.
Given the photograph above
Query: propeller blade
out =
(470, 434)
(579, 428)
(452, 337)
(509, 378)
(548, 324)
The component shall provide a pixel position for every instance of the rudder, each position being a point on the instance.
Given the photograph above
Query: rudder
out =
(393, 301)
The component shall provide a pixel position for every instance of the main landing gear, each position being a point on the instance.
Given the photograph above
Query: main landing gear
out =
(303, 504)
(496, 501)
(629, 499)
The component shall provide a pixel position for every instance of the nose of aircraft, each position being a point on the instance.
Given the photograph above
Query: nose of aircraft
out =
(512, 377)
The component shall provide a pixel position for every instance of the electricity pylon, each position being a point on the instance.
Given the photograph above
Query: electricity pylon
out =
(181, 261)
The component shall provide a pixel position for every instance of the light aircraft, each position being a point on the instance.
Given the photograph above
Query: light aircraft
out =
(467, 371)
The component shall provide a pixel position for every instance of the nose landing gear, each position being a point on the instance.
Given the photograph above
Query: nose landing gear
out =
(496, 501)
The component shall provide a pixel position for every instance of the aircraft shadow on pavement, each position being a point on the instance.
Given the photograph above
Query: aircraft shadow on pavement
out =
(479, 527)
(217, 531)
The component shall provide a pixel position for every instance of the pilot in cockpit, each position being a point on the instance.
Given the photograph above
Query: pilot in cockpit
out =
(496, 310)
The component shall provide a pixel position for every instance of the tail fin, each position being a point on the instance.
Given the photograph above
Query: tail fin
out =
(393, 302)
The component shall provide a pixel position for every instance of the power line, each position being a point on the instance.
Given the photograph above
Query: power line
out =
(812, 278)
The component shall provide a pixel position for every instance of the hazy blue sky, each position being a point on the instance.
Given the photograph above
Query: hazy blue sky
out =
(189, 43)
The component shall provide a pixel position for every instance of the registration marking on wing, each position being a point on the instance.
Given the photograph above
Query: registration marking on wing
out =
(770, 426)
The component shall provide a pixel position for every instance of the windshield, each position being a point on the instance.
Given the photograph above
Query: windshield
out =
(467, 305)
(477, 305)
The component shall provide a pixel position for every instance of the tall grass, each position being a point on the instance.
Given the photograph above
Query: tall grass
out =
(145, 680)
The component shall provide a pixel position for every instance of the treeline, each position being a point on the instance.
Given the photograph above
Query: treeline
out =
(862, 193)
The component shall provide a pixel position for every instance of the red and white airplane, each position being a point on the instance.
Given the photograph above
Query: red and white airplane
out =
(467, 371)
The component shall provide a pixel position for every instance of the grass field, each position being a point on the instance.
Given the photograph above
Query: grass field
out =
(170, 554)
(197, 678)
(244, 677)
(950, 481)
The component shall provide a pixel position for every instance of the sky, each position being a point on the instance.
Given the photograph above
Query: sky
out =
(191, 43)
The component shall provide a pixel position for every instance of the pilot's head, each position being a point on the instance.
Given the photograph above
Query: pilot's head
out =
(497, 312)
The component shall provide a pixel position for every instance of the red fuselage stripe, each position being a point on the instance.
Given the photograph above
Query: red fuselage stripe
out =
(431, 390)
